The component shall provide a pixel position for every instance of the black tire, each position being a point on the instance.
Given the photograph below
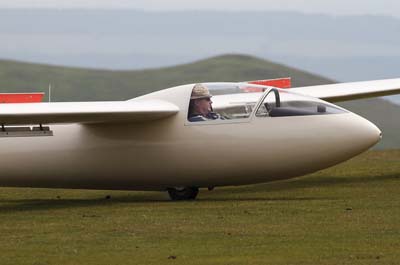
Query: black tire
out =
(183, 194)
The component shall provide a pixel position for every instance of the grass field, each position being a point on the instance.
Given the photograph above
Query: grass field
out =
(349, 214)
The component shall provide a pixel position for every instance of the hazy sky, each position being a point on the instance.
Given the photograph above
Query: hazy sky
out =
(338, 7)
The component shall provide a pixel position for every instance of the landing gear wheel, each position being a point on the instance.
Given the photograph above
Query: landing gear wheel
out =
(183, 193)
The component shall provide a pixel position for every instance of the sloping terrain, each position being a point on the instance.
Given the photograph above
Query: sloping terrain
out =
(73, 84)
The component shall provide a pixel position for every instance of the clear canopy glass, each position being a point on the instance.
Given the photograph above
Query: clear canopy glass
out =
(235, 100)
(232, 101)
(280, 103)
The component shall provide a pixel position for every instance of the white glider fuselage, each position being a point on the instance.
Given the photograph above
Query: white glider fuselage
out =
(171, 152)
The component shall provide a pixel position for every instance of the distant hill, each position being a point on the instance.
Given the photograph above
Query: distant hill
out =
(345, 48)
(78, 84)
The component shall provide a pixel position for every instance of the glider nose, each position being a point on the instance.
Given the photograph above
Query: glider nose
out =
(375, 132)
(368, 133)
(372, 133)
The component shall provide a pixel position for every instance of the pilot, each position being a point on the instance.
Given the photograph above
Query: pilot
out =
(200, 107)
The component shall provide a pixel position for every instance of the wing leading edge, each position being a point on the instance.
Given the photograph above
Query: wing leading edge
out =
(351, 91)
(85, 112)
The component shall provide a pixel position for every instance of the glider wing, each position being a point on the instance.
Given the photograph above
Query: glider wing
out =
(351, 91)
(85, 112)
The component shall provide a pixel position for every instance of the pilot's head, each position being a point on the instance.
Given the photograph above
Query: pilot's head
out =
(200, 100)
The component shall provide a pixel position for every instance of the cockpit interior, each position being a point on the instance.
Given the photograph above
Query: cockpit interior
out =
(238, 101)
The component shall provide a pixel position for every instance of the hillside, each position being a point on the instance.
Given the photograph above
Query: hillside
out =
(78, 84)
(344, 48)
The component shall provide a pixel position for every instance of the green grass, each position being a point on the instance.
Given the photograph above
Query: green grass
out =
(349, 214)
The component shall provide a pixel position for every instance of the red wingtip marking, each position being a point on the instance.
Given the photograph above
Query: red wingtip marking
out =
(21, 97)
(279, 82)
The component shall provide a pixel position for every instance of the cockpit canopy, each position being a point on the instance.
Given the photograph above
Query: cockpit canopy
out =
(232, 101)
(280, 103)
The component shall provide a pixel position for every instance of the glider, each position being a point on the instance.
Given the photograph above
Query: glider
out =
(262, 134)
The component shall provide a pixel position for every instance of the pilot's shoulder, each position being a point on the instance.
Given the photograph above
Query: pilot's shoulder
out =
(216, 116)
(197, 118)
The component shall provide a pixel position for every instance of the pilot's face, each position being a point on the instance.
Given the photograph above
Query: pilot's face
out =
(203, 106)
